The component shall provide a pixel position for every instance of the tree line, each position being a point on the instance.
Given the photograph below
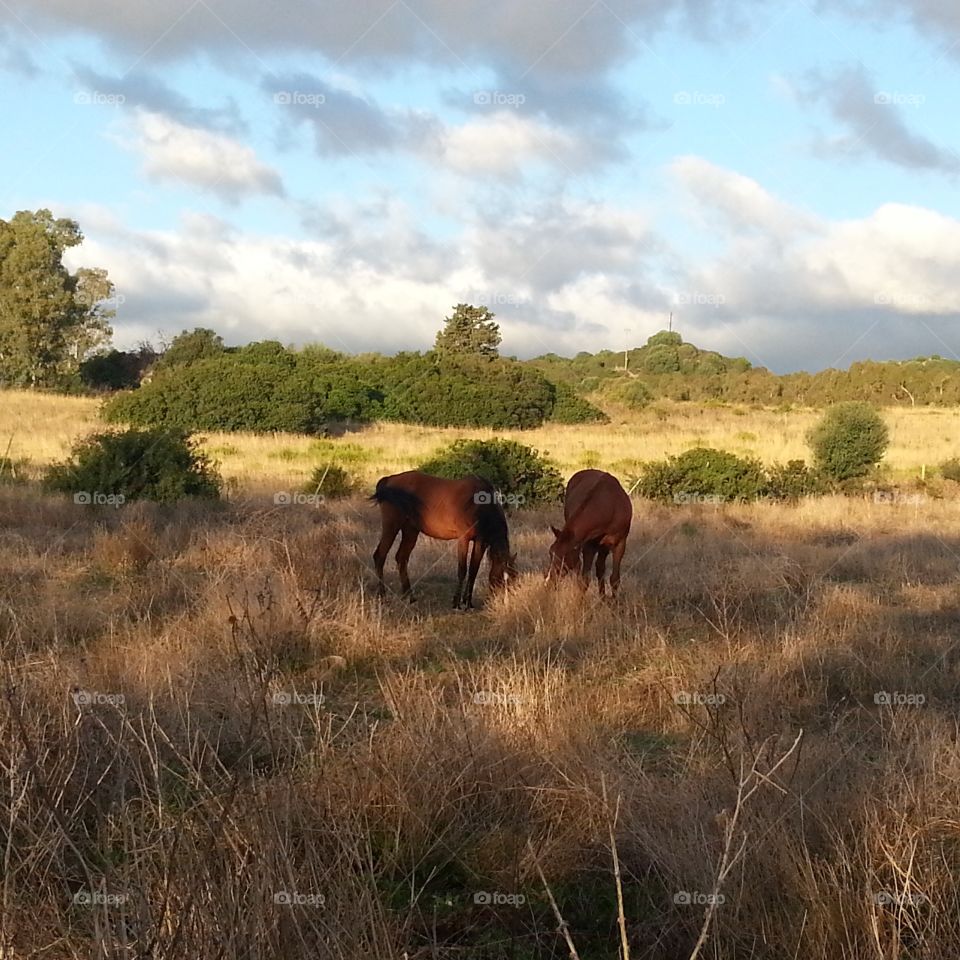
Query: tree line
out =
(55, 333)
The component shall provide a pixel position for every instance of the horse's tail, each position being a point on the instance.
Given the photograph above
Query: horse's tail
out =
(403, 500)
(491, 522)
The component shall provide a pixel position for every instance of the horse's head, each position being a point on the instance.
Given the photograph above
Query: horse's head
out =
(564, 554)
(503, 569)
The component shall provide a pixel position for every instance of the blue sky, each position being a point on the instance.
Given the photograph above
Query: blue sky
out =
(783, 180)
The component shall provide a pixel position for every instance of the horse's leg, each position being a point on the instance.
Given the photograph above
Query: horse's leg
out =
(463, 548)
(587, 554)
(618, 552)
(408, 540)
(602, 553)
(389, 528)
(476, 558)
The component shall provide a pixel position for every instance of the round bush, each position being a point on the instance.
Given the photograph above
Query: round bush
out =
(330, 480)
(162, 465)
(703, 475)
(632, 393)
(849, 440)
(516, 470)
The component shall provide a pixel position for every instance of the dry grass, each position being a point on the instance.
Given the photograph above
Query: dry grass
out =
(42, 427)
(204, 709)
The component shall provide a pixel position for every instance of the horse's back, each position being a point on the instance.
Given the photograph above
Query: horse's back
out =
(445, 509)
(596, 504)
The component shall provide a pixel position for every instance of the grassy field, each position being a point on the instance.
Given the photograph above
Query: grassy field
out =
(216, 742)
(41, 427)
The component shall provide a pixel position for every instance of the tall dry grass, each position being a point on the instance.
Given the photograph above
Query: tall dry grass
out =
(214, 740)
(42, 427)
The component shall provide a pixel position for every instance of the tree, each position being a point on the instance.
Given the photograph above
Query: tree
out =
(50, 319)
(849, 439)
(470, 331)
(189, 346)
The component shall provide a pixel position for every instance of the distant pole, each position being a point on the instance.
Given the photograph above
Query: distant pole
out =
(626, 348)
(670, 325)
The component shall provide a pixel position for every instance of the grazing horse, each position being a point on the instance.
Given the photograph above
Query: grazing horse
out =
(597, 514)
(464, 510)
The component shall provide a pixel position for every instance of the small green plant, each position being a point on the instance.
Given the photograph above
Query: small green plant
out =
(703, 475)
(516, 470)
(331, 481)
(950, 469)
(849, 440)
(116, 467)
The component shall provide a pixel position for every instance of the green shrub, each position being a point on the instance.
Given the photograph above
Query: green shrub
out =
(463, 392)
(662, 358)
(570, 408)
(950, 469)
(521, 474)
(237, 392)
(632, 393)
(849, 440)
(161, 465)
(331, 481)
(703, 475)
(793, 480)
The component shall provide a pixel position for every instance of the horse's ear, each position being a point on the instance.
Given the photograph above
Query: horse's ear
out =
(556, 532)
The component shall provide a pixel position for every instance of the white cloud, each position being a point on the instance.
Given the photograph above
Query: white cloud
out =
(791, 291)
(206, 159)
(505, 144)
(742, 202)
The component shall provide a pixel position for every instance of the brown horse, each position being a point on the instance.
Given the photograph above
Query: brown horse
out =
(597, 514)
(464, 510)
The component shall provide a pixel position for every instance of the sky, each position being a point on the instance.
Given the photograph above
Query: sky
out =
(781, 178)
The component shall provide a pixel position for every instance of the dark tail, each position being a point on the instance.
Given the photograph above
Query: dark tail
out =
(407, 503)
(491, 526)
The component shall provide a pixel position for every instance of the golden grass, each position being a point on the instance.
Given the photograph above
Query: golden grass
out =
(41, 428)
(204, 708)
